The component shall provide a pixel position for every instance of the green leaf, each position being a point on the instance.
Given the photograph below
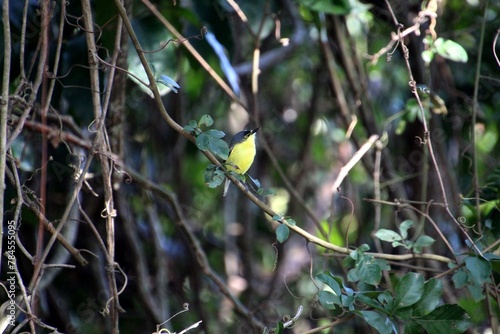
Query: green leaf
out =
(388, 235)
(356, 254)
(290, 221)
(352, 275)
(404, 227)
(387, 301)
(409, 290)
(191, 127)
(446, 319)
(206, 120)
(406, 244)
(476, 292)
(383, 264)
(364, 248)
(411, 327)
(277, 218)
(367, 269)
(400, 129)
(347, 300)
(405, 313)
(381, 323)
(219, 148)
(210, 140)
(459, 278)
(427, 55)
(215, 133)
(282, 233)
(329, 300)
(203, 141)
(369, 298)
(279, 328)
(421, 242)
(266, 192)
(330, 281)
(369, 273)
(450, 50)
(214, 176)
(479, 269)
(431, 296)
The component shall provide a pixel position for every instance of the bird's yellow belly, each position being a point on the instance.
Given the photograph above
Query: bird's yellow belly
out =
(241, 156)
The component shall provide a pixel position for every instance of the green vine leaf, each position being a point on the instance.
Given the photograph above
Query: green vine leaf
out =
(446, 319)
(282, 233)
(214, 177)
(409, 290)
(450, 50)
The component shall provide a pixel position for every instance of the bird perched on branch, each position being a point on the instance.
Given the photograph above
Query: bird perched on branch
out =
(241, 154)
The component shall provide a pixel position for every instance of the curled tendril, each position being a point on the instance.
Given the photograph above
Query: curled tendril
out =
(420, 140)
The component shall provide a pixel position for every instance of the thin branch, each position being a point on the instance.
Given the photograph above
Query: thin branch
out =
(4, 110)
(109, 212)
(22, 42)
(475, 107)
(354, 160)
(494, 46)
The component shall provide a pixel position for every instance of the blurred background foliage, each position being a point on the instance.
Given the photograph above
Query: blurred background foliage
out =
(321, 94)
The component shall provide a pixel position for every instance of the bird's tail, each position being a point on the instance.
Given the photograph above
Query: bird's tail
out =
(226, 186)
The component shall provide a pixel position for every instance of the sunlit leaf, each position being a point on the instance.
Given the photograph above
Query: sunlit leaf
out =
(329, 281)
(329, 300)
(421, 242)
(388, 235)
(206, 120)
(450, 50)
(215, 133)
(427, 56)
(404, 227)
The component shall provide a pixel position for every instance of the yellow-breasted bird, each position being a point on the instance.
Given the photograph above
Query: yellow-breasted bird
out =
(241, 154)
